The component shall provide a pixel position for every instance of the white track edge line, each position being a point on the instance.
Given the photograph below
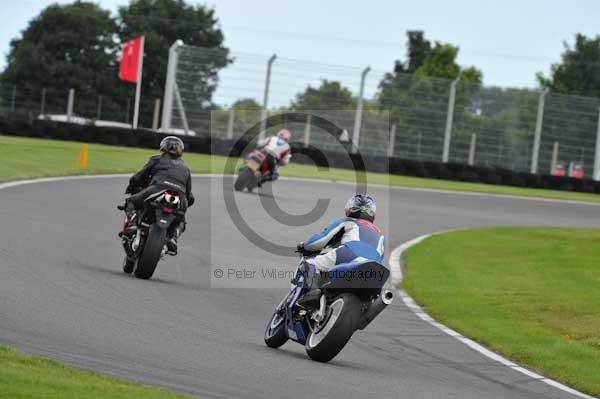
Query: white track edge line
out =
(395, 263)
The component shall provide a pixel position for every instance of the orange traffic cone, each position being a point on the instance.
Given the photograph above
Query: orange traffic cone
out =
(82, 163)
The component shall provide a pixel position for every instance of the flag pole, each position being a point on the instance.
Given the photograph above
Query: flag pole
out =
(138, 85)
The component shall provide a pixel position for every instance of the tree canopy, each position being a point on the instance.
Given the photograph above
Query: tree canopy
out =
(440, 62)
(416, 92)
(579, 69)
(330, 95)
(78, 46)
(163, 22)
(81, 54)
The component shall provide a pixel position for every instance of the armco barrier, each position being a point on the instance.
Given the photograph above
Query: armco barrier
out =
(23, 125)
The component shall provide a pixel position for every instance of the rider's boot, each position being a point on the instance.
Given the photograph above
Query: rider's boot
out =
(172, 240)
(261, 180)
(130, 228)
(265, 178)
(311, 276)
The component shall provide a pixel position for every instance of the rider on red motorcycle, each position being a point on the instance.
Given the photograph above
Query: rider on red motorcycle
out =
(278, 152)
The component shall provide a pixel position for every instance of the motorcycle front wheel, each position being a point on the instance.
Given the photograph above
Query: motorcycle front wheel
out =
(330, 336)
(275, 334)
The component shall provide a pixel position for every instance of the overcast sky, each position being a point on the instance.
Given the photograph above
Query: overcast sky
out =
(508, 40)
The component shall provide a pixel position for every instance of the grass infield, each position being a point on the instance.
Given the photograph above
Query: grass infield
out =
(26, 158)
(532, 294)
(23, 376)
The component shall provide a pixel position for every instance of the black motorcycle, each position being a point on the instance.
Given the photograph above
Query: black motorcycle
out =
(149, 245)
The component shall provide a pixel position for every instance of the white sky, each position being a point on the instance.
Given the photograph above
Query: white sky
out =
(508, 40)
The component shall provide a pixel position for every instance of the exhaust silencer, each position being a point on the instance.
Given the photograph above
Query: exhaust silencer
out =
(376, 307)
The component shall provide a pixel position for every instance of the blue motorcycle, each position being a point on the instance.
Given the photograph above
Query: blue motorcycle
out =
(348, 298)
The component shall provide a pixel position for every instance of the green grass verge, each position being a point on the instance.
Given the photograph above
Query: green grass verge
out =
(24, 158)
(27, 377)
(532, 294)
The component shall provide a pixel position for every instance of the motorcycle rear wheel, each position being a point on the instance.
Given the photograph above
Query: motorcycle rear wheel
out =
(146, 263)
(244, 179)
(329, 337)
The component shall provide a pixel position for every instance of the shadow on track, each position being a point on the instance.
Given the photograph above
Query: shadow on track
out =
(301, 356)
(121, 274)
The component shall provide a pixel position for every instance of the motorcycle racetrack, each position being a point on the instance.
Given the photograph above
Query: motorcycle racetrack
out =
(63, 294)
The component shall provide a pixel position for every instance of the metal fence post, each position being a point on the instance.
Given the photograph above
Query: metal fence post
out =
(138, 85)
(186, 126)
(127, 110)
(99, 110)
(449, 118)
(156, 114)
(265, 113)
(167, 111)
(230, 123)
(43, 103)
(307, 131)
(596, 173)
(70, 104)
(359, 110)
(392, 144)
(472, 149)
(538, 132)
(554, 157)
(14, 98)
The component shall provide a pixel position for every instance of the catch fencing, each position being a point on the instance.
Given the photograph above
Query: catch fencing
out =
(381, 113)
(430, 119)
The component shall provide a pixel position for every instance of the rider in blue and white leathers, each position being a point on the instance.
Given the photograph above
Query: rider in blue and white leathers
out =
(355, 236)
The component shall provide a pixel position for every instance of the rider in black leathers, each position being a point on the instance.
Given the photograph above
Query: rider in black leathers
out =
(164, 171)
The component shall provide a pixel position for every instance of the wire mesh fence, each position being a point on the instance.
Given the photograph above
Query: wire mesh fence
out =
(490, 126)
(402, 115)
(53, 103)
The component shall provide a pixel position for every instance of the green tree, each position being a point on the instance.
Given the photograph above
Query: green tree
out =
(163, 22)
(65, 46)
(418, 50)
(418, 102)
(440, 62)
(579, 69)
(247, 113)
(330, 95)
(394, 83)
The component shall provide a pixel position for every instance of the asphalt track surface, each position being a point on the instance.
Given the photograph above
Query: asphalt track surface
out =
(62, 294)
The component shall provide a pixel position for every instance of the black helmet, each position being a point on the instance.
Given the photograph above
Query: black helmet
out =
(361, 207)
(173, 145)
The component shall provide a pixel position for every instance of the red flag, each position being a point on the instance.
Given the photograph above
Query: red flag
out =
(130, 59)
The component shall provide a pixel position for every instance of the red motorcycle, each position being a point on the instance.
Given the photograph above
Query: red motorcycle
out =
(254, 168)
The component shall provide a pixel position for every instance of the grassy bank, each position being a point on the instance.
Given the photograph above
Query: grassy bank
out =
(24, 158)
(24, 376)
(532, 294)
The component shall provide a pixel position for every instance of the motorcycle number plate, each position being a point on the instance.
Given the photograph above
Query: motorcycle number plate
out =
(252, 165)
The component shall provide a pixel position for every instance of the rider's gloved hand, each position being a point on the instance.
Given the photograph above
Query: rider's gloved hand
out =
(300, 247)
